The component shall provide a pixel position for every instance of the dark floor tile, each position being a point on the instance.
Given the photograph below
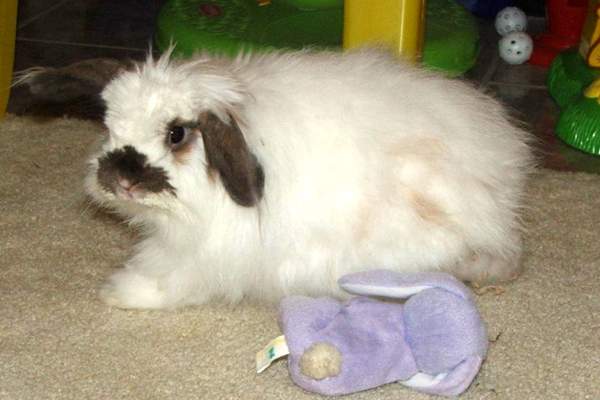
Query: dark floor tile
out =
(577, 160)
(30, 10)
(533, 107)
(536, 109)
(487, 60)
(523, 74)
(532, 7)
(32, 53)
(536, 25)
(126, 23)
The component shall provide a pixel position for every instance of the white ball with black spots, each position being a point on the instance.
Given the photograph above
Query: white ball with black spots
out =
(510, 19)
(515, 48)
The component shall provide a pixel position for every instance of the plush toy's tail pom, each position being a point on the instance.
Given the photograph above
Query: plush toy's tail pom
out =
(320, 361)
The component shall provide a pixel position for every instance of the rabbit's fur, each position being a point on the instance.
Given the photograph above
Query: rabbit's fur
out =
(297, 168)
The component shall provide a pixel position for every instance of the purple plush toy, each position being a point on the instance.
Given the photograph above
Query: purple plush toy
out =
(435, 342)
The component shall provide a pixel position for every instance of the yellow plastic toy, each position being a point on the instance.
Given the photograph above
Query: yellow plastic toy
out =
(593, 90)
(398, 23)
(589, 47)
(8, 27)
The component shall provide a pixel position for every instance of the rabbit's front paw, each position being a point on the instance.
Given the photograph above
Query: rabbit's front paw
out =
(487, 269)
(126, 289)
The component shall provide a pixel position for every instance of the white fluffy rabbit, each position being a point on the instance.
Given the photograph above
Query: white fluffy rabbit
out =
(273, 174)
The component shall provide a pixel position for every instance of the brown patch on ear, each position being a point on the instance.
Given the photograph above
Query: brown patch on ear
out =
(228, 155)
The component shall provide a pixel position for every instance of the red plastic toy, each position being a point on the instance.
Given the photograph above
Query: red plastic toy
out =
(565, 22)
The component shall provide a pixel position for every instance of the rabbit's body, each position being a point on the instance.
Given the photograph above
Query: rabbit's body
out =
(356, 162)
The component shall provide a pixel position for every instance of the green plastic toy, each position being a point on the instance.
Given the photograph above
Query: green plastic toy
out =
(228, 26)
(579, 121)
(568, 76)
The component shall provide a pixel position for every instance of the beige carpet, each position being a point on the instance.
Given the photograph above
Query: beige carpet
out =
(58, 341)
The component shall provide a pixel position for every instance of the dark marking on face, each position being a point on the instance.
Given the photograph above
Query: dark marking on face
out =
(127, 163)
(228, 155)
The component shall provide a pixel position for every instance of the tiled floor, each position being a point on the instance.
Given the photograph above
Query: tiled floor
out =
(59, 32)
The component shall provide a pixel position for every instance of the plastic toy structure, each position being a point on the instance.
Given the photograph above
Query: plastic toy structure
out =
(449, 36)
(573, 83)
(485, 8)
(435, 342)
(589, 47)
(400, 24)
(565, 21)
(8, 24)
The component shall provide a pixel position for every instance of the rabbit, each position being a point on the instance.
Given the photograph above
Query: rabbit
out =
(265, 175)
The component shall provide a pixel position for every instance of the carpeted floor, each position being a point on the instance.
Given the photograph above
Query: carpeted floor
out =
(58, 341)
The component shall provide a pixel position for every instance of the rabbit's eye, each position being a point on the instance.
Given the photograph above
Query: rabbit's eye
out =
(176, 134)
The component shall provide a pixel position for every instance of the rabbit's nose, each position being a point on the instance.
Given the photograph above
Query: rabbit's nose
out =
(128, 188)
(125, 183)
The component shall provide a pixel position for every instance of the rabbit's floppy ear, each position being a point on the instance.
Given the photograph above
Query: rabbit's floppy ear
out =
(391, 284)
(228, 155)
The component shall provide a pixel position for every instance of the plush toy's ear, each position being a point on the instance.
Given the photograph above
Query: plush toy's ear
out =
(228, 155)
(392, 284)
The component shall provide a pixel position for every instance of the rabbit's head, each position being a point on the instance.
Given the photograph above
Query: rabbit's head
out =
(175, 139)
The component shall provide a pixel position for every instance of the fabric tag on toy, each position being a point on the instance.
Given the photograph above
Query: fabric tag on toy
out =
(276, 348)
